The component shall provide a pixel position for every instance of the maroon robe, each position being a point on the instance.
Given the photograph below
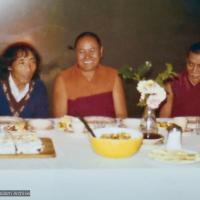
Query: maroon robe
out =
(96, 105)
(94, 97)
(186, 97)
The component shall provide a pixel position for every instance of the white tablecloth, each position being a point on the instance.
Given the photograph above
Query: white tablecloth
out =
(78, 173)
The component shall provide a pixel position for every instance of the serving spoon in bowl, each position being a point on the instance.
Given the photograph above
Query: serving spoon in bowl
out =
(87, 126)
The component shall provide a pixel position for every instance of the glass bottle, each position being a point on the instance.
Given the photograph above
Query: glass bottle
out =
(149, 123)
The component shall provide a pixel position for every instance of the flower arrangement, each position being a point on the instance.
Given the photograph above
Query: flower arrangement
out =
(152, 92)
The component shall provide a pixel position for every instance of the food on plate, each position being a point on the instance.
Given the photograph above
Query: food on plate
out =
(19, 140)
(165, 124)
(17, 126)
(20, 143)
(64, 123)
(115, 136)
(7, 145)
(121, 142)
(174, 155)
(28, 145)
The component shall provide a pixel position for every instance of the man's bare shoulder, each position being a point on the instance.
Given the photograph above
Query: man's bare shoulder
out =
(66, 72)
(108, 69)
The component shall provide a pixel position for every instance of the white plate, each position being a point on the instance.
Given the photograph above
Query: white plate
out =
(192, 119)
(132, 123)
(40, 124)
(100, 122)
(11, 128)
(192, 123)
(66, 121)
(162, 155)
(70, 124)
(9, 119)
(99, 119)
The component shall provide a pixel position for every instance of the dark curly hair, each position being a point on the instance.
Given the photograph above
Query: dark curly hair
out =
(10, 54)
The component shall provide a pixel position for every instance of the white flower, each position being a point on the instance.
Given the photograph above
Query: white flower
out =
(161, 93)
(148, 87)
(156, 94)
(153, 101)
(145, 86)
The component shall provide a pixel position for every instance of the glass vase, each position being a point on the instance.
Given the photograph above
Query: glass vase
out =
(149, 123)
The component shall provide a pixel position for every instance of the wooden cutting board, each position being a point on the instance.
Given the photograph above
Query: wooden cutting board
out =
(48, 151)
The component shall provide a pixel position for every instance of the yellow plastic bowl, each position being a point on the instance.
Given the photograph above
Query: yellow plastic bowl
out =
(116, 148)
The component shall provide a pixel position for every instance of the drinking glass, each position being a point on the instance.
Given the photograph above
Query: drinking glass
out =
(181, 121)
(197, 128)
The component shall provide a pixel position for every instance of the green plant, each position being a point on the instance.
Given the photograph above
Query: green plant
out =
(127, 72)
(152, 91)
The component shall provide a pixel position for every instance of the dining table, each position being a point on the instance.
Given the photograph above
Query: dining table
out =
(77, 172)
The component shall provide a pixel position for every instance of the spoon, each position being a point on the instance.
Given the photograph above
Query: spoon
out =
(87, 126)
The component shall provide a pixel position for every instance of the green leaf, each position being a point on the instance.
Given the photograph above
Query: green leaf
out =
(141, 71)
(165, 75)
(138, 74)
(126, 72)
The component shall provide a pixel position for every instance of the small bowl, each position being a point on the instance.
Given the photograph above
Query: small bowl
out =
(116, 148)
(155, 139)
